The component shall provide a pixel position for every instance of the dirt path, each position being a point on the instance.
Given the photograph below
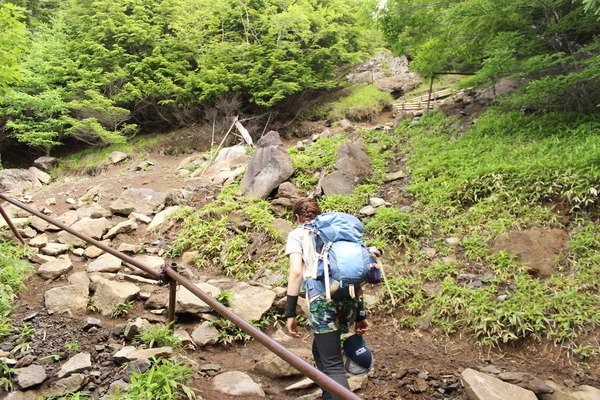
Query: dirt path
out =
(410, 364)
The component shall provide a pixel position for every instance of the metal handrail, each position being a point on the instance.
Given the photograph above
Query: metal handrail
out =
(170, 275)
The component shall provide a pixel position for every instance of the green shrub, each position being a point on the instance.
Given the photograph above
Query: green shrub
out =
(166, 380)
(156, 336)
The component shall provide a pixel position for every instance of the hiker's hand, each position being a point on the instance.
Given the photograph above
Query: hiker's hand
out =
(292, 326)
(361, 327)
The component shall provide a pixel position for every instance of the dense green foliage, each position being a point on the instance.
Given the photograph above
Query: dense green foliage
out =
(553, 45)
(12, 44)
(507, 171)
(99, 71)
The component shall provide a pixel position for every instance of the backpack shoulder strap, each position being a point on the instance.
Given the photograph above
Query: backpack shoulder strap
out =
(311, 255)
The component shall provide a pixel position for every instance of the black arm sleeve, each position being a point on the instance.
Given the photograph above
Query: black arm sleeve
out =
(290, 306)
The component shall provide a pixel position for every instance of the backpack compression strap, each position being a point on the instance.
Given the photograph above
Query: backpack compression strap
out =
(325, 257)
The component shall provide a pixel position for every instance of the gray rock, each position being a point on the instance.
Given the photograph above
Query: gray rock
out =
(46, 163)
(110, 293)
(93, 251)
(30, 376)
(526, 381)
(205, 334)
(161, 217)
(90, 322)
(275, 367)
(70, 384)
(136, 367)
(393, 176)
(141, 218)
(135, 327)
(187, 302)
(583, 392)
(54, 249)
(39, 241)
(92, 227)
(251, 302)
(105, 263)
(453, 241)
(17, 180)
(72, 298)
(28, 395)
(148, 354)
(55, 268)
(367, 211)
(230, 153)
(269, 167)
(352, 167)
(122, 355)
(122, 227)
(377, 202)
(479, 386)
(92, 194)
(236, 383)
(78, 363)
(41, 175)
(68, 218)
(118, 156)
(39, 224)
(144, 201)
(154, 262)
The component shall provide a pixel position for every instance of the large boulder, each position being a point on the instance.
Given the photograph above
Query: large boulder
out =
(46, 163)
(251, 302)
(352, 167)
(187, 302)
(18, 180)
(269, 167)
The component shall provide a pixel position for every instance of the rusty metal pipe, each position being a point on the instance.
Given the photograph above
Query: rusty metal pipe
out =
(172, 298)
(305, 368)
(155, 274)
(11, 225)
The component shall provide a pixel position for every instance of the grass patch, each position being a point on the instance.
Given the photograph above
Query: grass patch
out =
(13, 272)
(364, 103)
(501, 172)
(233, 235)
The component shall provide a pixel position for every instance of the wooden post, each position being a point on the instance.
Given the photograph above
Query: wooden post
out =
(430, 90)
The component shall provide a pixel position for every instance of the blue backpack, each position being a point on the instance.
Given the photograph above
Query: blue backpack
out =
(342, 261)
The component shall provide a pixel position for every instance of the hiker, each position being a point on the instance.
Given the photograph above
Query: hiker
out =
(328, 320)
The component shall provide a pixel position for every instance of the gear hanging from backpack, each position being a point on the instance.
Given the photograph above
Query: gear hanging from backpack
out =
(342, 263)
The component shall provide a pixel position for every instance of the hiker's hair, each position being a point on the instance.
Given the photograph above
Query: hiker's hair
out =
(307, 209)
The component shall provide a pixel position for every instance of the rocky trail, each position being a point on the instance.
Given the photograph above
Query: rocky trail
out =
(73, 348)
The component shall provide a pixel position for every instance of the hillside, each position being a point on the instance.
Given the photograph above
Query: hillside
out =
(417, 362)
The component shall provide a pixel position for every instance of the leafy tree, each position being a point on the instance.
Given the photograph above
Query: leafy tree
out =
(12, 45)
(96, 67)
(549, 42)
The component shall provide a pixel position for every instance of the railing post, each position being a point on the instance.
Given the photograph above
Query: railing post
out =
(10, 223)
(172, 299)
